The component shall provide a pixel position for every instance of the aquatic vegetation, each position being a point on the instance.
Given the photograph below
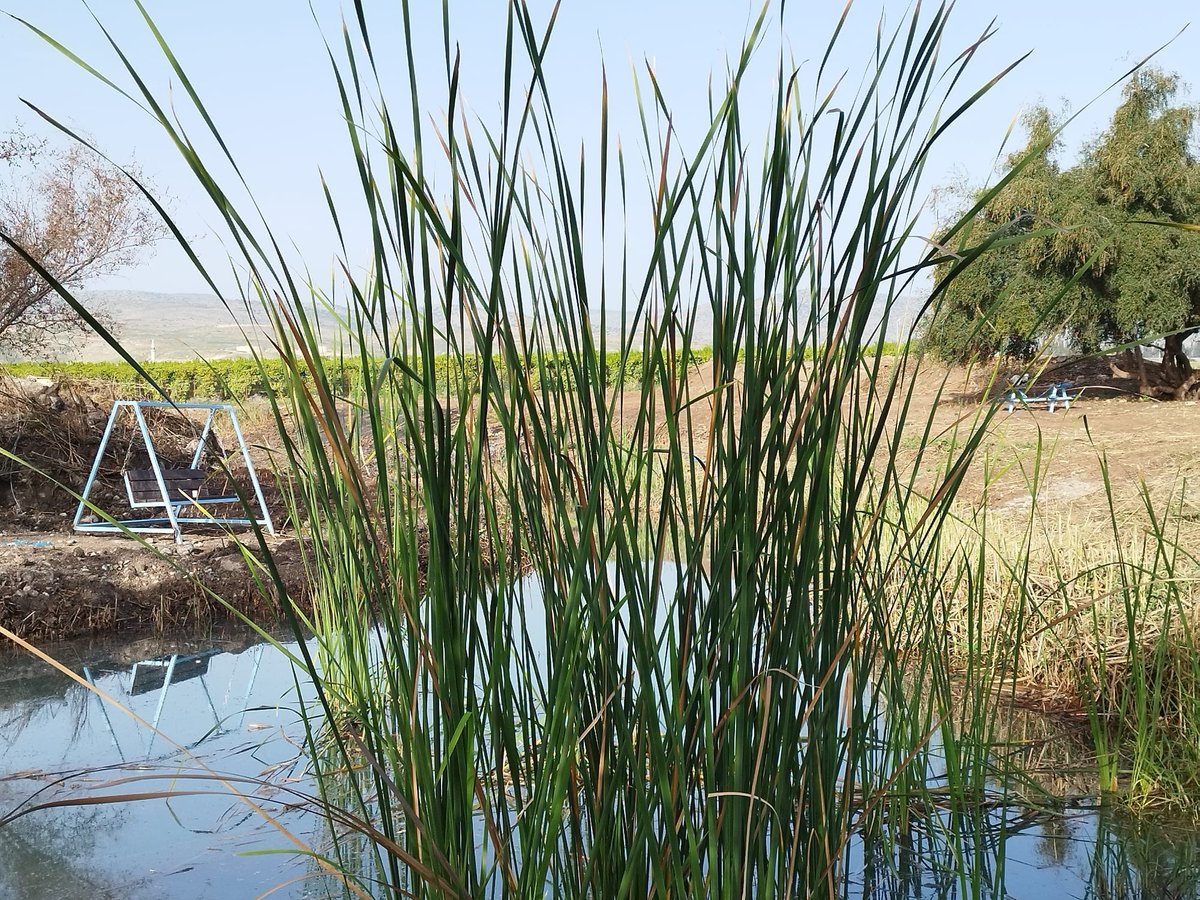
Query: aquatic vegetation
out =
(1109, 628)
(736, 661)
(722, 734)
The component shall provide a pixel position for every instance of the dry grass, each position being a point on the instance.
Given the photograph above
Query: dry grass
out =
(1070, 578)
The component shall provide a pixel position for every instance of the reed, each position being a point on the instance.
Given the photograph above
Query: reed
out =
(1084, 606)
(585, 634)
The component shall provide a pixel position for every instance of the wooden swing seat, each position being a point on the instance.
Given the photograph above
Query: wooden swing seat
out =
(185, 487)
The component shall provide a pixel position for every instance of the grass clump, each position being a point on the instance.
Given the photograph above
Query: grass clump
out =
(1109, 603)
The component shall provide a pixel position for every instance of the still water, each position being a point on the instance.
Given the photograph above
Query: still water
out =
(232, 705)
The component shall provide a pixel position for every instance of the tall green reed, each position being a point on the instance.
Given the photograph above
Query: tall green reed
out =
(1144, 708)
(576, 636)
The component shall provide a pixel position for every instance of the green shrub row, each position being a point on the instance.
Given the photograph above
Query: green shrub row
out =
(240, 379)
(220, 380)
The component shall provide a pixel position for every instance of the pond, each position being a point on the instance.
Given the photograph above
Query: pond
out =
(232, 704)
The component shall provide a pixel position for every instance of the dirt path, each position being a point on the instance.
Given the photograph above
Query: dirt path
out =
(1110, 444)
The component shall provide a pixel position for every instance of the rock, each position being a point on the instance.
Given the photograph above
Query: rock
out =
(231, 564)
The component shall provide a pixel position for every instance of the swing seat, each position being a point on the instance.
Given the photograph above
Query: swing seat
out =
(185, 487)
(153, 674)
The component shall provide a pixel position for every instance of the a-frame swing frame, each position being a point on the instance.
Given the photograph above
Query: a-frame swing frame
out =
(168, 496)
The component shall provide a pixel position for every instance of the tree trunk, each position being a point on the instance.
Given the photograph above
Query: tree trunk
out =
(1140, 363)
(1172, 379)
(1187, 385)
(1175, 357)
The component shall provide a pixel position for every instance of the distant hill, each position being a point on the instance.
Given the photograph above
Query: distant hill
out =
(169, 326)
(183, 326)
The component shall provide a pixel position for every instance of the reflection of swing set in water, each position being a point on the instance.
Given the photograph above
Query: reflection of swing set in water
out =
(159, 673)
(174, 490)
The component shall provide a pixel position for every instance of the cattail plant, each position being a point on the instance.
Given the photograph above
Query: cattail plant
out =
(581, 632)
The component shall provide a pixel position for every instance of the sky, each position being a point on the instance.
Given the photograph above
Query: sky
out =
(260, 66)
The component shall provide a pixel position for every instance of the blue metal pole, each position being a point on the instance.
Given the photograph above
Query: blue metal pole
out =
(203, 437)
(87, 674)
(87, 488)
(262, 503)
(162, 701)
(158, 475)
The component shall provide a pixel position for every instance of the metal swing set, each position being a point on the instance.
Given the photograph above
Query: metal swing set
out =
(172, 491)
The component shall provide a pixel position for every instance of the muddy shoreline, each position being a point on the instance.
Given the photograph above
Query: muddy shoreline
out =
(58, 584)
(61, 586)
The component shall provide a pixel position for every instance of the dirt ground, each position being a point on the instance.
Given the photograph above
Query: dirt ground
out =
(57, 584)
(1137, 442)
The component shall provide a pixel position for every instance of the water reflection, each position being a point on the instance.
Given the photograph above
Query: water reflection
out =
(236, 706)
(49, 861)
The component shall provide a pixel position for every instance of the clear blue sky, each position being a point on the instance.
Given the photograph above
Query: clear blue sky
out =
(259, 65)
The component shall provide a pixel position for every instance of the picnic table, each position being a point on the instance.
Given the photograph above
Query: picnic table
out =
(1060, 393)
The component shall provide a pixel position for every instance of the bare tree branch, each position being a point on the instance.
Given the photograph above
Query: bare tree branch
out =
(79, 217)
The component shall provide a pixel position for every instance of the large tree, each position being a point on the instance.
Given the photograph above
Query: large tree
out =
(1088, 251)
(79, 218)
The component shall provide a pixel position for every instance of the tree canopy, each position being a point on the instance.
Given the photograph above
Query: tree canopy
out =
(78, 217)
(1088, 251)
